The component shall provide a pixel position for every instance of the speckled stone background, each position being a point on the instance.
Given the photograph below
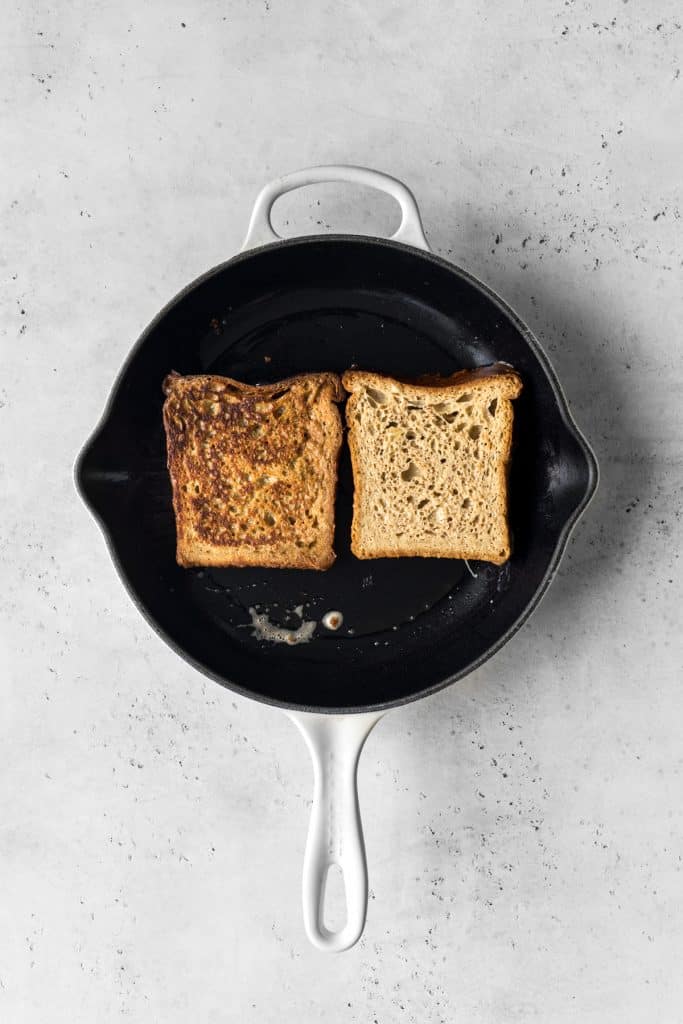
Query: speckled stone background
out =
(525, 828)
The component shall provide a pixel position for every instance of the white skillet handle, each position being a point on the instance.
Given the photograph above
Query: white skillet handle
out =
(335, 834)
(260, 231)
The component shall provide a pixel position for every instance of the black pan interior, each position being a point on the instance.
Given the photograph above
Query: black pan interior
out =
(409, 625)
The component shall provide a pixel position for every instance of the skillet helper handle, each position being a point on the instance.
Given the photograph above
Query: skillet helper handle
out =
(261, 231)
(335, 834)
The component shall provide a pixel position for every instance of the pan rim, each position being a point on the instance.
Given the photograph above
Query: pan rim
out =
(592, 479)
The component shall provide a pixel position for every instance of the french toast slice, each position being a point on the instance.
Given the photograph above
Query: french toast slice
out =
(253, 469)
(430, 464)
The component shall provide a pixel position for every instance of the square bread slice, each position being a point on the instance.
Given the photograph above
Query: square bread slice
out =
(430, 464)
(253, 469)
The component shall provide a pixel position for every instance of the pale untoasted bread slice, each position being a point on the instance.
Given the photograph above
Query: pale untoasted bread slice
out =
(430, 464)
(253, 469)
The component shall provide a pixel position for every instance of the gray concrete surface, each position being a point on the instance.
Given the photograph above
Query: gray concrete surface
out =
(525, 828)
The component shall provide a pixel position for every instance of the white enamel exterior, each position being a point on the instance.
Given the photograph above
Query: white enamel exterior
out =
(261, 231)
(335, 833)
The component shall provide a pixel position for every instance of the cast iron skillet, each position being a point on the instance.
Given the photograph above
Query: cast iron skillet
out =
(411, 626)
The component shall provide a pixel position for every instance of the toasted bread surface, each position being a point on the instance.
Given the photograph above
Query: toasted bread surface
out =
(253, 469)
(430, 463)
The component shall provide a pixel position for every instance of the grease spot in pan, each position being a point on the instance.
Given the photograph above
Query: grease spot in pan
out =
(264, 629)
